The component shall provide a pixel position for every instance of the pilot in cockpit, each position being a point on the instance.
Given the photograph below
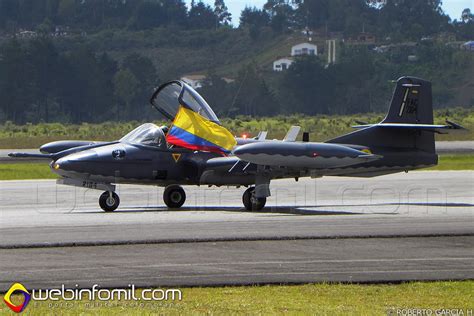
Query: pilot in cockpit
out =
(165, 129)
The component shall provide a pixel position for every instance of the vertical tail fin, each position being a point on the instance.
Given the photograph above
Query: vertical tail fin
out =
(411, 104)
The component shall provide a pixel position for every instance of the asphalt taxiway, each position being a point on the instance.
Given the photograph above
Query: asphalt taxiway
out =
(415, 226)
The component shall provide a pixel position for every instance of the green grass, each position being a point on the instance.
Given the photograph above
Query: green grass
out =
(27, 171)
(318, 299)
(455, 162)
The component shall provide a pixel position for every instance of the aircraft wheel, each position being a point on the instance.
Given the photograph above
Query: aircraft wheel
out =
(252, 203)
(109, 202)
(174, 196)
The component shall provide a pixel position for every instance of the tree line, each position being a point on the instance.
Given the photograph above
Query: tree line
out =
(40, 83)
(361, 82)
(396, 19)
(47, 79)
(399, 19)
(94, 15)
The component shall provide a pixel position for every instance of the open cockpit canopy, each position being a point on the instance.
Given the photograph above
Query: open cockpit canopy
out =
(169, 97)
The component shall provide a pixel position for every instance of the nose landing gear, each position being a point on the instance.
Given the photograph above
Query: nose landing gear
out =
(109, 201)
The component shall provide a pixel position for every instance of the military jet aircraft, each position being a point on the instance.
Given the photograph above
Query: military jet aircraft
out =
(197, 150)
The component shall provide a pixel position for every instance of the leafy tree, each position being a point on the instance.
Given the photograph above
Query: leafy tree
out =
(281, 14)
(218, 93)
(148, 15)
(201, 16)
(306, 86)
(176, 12)
(43, 58)
(251, 16)
(403, 14)
(126, 85)
(107, 68)
(254, 19)
(467, 16)
(14, 81)
(81, 86)
(144, 72)
(253, 96)
(222, 13)
(66, 10)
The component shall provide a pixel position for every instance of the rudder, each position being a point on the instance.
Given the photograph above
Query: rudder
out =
(411, 102)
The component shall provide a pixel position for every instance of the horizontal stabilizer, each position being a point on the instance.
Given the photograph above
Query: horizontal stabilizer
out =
(440, 129)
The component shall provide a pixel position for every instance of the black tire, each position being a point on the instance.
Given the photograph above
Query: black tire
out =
(109, 203)
(252, 203)
(174, 196)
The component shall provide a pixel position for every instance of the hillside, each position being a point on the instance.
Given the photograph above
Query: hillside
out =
(76, 61)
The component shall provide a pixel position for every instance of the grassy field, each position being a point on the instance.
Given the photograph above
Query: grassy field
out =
(26, 171)
(320, 127)
(455, 162)
(318, 299)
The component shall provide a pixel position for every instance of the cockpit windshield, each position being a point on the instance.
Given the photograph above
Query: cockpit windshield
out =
(168, 98)
(147, 134)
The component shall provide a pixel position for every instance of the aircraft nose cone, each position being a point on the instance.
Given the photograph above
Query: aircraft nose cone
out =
(75, 162)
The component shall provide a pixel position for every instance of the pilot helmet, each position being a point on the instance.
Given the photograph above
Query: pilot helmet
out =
(165, 129)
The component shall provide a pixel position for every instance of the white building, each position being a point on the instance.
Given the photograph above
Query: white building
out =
(282, 64)
(304, 49)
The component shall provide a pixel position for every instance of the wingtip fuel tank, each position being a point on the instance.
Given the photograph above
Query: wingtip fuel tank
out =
(302, 155)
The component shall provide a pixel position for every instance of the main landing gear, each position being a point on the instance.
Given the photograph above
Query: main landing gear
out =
(174, 196)
(251, 202)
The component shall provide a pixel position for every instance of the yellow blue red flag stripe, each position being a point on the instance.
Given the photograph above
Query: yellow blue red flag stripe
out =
(193, 131)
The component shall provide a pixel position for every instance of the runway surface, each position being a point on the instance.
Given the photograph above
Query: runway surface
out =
(415, 226)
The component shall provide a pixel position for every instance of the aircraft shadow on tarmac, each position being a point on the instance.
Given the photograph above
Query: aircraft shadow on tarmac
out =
(311, 210)
(282, 210)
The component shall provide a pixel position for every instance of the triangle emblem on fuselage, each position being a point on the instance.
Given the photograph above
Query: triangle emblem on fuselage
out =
(176, 157)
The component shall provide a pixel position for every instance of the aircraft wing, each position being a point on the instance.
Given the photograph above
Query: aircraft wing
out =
(230, 165)
(259, 162)
(302, 155)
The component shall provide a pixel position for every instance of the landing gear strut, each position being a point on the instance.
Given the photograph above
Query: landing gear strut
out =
(174, 196)
(251, 202)
(109, 201)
